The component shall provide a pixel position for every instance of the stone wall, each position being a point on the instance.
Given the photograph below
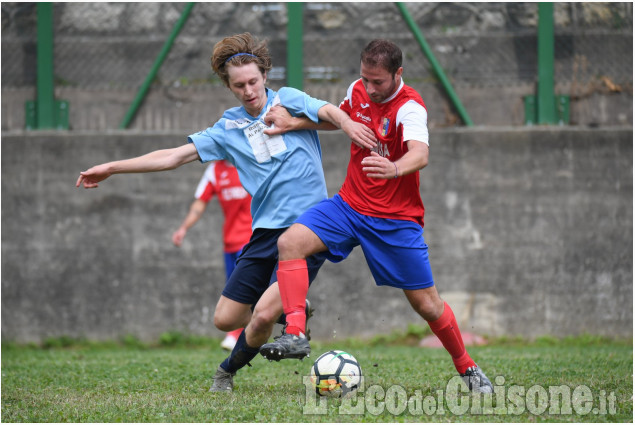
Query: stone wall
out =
(530, 233)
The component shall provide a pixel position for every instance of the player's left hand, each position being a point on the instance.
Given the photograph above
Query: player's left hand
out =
(280, 118)
(377, 167)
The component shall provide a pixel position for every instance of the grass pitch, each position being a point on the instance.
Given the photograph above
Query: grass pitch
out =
(574, 380)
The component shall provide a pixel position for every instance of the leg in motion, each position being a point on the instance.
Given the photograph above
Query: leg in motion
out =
(294, 246)
(440, 317)
(264, 316)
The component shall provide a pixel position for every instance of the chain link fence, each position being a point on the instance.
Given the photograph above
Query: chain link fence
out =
(112, 46)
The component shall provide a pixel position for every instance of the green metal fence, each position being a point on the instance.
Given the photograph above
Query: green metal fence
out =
(113, 46)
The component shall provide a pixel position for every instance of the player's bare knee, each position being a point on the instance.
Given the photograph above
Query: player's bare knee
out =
(288, 246)
(222, 323)
(430, 308)
(262, 321)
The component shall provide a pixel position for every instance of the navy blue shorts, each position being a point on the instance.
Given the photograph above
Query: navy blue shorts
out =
(257, 266)
(230, 262)
(394, 249)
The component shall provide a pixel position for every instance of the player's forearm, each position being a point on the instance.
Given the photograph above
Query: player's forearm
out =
(415, 159)
(359, 134)
(160, 160)
(304, 123)
(332, 117)
(194, 214)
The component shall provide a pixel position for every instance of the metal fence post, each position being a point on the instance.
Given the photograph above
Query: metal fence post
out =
(427, 51)
(136, 103)
(45, 85)
(45, 112)
(546, 102)
(295, 73)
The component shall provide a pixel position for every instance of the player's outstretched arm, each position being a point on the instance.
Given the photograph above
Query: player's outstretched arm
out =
(332, 118)
(361, 135)
(160, 160)
(283, 122)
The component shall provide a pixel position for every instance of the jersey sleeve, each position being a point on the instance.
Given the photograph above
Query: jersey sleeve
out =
(347, 104)
(209, 142)
(206, 186)
(299, 103)
(414, 119)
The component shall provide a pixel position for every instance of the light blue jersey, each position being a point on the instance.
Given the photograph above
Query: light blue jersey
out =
(283, 174)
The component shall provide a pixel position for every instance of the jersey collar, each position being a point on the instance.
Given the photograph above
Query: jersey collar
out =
(395, 93)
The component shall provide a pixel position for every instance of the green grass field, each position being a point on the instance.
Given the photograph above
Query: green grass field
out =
(574, 380)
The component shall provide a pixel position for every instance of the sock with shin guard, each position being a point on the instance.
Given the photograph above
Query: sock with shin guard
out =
(240, 356)
(293, 281)
(447, 330)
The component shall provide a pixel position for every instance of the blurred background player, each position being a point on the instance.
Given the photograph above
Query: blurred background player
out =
(221, 179)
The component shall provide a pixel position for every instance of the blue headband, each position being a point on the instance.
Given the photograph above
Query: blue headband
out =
(241, 54)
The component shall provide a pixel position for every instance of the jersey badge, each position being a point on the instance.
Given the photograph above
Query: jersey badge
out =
(385, 125)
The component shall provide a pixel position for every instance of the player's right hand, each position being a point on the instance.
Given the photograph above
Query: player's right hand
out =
(178, 236)
(360, 134)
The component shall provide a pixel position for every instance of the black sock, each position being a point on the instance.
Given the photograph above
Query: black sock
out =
(240, 356)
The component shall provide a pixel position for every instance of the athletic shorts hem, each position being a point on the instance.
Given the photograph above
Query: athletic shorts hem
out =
(409, 286)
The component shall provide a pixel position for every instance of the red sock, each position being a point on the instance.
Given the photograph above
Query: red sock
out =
(293, 281)
(235, 334)
(447, 330)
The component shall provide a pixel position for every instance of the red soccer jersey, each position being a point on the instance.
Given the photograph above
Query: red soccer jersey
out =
(385, 198)
(221, 178)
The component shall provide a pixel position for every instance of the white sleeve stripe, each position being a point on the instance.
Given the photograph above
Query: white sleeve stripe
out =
(208, 177)
(414, 118)
(349, 94)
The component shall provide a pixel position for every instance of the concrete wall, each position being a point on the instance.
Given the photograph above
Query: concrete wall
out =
(530, 232)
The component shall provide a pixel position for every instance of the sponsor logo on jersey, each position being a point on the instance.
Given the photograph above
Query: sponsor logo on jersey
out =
(364, 105)
(363, 117)
(230, 193)
(382, 149)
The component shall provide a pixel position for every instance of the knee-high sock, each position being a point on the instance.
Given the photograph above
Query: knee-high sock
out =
(241, 355)
(447, 330)
(293, 281)
(235, 334)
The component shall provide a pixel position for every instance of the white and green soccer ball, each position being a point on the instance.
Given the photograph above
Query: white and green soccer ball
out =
(336, 373)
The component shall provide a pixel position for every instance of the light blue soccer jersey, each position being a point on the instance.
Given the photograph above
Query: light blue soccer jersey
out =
(283, 174)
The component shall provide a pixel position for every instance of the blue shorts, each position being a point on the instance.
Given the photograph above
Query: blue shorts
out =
(394, 249)
(257, 266)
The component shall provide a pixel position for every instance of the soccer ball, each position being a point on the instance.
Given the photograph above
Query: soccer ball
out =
(335, 374)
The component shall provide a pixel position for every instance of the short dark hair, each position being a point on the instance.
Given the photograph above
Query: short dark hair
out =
(382, 53)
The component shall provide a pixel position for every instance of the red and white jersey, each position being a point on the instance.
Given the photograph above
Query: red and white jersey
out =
(398, 119)
(221, 179)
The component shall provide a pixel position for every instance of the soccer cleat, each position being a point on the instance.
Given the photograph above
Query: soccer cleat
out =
(476, 380)
(228, 343)
(223, 381)
(286, 346)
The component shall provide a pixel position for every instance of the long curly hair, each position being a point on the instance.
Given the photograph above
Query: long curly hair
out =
(225, 52)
